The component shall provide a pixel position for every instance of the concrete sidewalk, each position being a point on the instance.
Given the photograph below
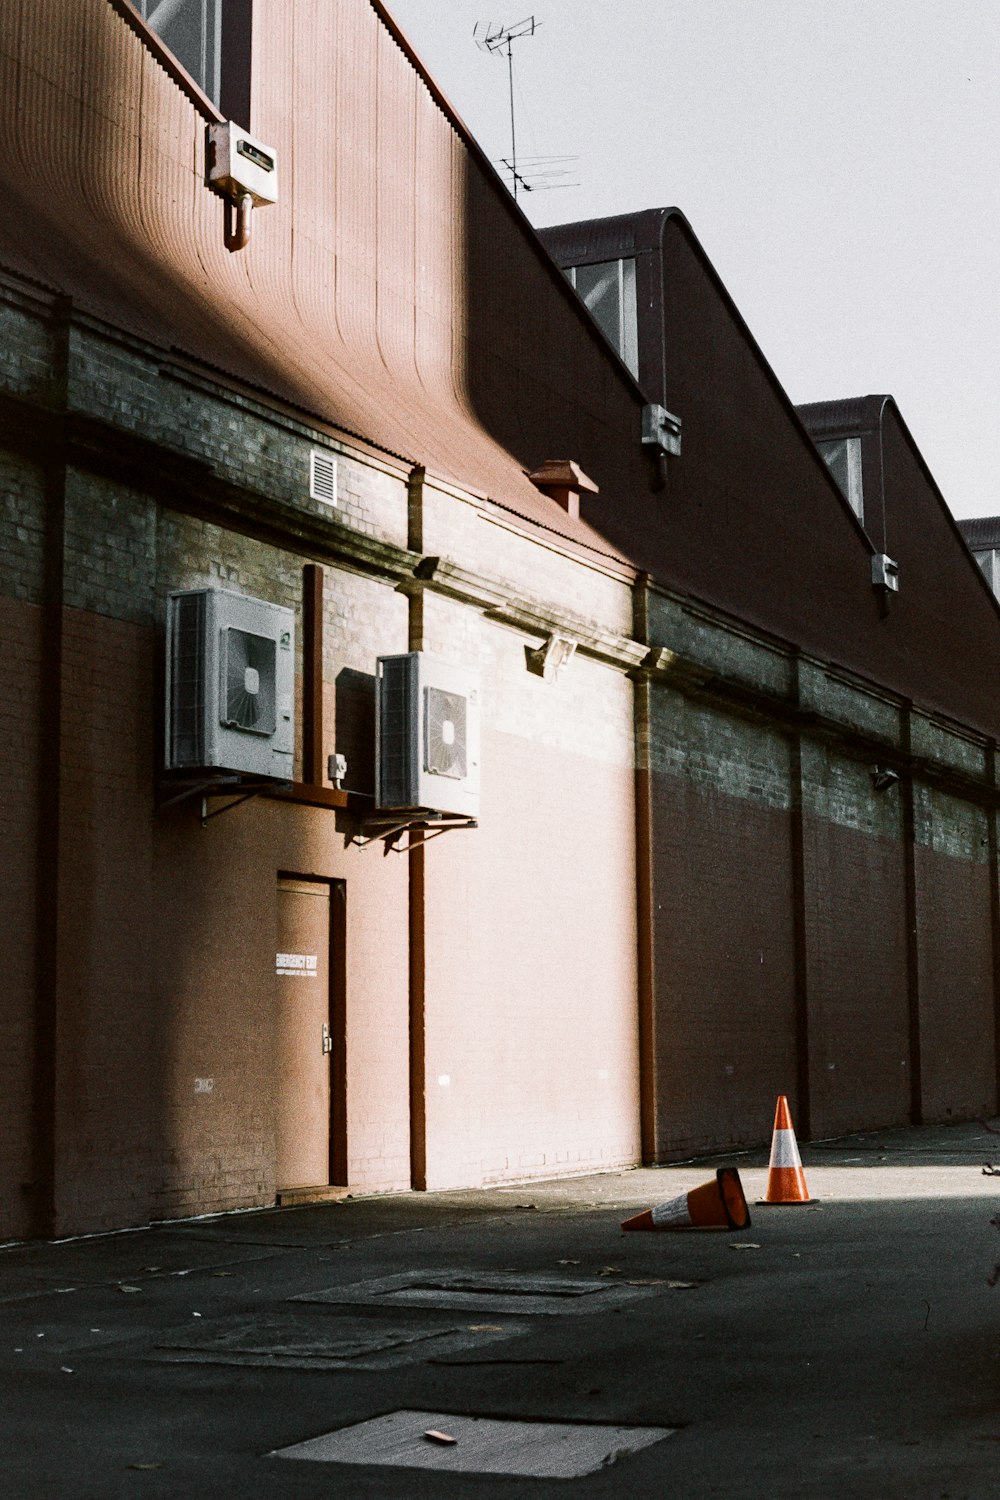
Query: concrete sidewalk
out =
(847, 1348)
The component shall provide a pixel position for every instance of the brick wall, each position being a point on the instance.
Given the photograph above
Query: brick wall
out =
(20, 670)
(107, 1022)
(857, 980)
(725, 1017)
(957, 1008)
(531, 1062)
(166, 930)
(22, 529)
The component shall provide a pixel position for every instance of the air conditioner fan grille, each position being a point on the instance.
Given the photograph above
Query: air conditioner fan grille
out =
(250, 682)
(447, 733)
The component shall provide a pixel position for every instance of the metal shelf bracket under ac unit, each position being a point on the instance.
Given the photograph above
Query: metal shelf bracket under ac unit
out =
(237, 788)
(388, 830)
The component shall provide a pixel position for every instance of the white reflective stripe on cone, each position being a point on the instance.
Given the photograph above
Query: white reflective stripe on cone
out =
(784, 1151)
(674, 1212)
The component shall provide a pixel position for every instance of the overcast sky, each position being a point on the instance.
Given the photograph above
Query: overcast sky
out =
(838, 159)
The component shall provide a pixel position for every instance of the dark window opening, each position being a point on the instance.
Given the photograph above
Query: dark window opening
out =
(211, 41)
(842, 457)
(608, 291)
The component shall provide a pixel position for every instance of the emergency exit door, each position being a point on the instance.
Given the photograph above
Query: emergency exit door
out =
(305, 1037)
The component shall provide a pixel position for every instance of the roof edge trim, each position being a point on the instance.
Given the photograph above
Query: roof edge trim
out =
(497, 183)
(674, 215)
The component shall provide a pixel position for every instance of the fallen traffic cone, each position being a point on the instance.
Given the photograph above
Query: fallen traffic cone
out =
(719, 1204)
(786, 1181)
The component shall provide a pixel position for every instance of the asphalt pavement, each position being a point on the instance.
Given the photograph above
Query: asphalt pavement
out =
(516, 1342)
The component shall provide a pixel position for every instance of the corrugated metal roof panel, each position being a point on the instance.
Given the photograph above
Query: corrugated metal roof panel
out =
(981, 531)
(354, 297)
(853, 414)
(592, 240)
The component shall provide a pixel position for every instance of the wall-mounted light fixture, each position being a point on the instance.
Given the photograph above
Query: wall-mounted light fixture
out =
(884, 778)
(551, 657)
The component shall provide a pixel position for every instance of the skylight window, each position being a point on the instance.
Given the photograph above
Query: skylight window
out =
(842, 457)
(192, 29)
(608, 291)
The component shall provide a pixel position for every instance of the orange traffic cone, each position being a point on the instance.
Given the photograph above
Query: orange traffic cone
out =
(719, 1204)
(786, 1181)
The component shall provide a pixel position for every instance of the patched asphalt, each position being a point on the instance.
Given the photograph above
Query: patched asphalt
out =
(846, 1348)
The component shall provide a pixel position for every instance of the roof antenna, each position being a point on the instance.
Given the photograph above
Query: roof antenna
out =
(490, 37)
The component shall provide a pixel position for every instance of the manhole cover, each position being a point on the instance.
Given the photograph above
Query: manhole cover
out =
(483, 1445)
(302, 1342)
(496, 1292)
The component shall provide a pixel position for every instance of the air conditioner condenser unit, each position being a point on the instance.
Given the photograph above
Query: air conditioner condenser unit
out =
(427, 734)
(230, 684)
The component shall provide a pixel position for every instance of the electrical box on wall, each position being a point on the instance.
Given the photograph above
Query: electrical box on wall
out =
(237, 164)
(885, 573)
(230, 684)
(427, 734)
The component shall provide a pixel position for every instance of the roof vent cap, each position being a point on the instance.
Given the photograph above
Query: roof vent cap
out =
(564, 482)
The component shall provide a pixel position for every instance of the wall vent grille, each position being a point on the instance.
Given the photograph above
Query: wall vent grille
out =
(323, 477)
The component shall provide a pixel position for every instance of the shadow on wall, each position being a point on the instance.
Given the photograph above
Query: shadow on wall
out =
(355, 729)
(539, 379)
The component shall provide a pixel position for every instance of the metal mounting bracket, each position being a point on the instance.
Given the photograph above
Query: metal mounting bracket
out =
(387, 830)
(234, 785)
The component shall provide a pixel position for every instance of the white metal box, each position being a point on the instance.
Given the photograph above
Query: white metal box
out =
(238, 164)
(885, 573)
(230, 684)
(427, 734)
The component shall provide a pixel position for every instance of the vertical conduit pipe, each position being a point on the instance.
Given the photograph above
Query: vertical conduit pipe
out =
(43, 1211)
(417, 872)
(644, 880)
(800, 931)
(912, 937)
(993, 846)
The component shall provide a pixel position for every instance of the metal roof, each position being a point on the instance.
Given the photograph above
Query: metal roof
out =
(390, 291)
(852, 415)
(981, 532)
(590, 241)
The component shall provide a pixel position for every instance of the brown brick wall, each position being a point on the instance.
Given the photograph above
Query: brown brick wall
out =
(532, 1065)
(957, 1025)
(724, 966)
(107, 1024)
(214, 978)
(857, 979)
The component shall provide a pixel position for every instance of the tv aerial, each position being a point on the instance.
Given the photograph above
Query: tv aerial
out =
(499, 40)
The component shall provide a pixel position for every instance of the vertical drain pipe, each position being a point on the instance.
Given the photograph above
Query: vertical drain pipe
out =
(912, 937)
(43, 1215)
(417, 885)
(312, 675)
(644, 879)
(994, 854)
(800, 932)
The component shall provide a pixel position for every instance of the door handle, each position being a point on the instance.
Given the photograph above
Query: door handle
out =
(327, 1039)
